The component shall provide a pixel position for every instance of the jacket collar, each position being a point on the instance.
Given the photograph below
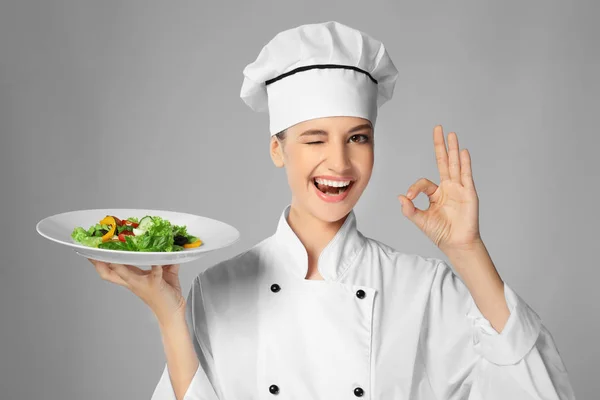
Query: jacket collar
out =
(335, 258)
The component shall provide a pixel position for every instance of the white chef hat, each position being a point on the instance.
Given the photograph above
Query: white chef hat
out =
(319, 70)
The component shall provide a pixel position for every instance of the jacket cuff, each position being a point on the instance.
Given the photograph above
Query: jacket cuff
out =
(200, 384)
(516, 339)
(198, 389)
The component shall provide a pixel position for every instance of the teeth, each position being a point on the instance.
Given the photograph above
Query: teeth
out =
(332, 183)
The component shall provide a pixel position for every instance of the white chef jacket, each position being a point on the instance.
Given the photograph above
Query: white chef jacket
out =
(381, 325)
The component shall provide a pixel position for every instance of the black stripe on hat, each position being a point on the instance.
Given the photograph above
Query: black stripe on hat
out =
(319, 66)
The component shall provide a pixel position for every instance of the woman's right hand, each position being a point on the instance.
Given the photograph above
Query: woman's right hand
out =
(159, 287)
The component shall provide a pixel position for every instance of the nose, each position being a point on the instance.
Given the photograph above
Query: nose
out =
(338, 158)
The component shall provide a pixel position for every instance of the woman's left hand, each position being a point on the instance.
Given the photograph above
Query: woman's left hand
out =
(452, 219)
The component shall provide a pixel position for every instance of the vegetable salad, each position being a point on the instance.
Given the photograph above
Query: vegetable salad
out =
(151, 233)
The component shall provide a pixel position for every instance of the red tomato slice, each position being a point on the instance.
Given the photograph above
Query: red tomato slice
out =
(123, 234)
(130, 223)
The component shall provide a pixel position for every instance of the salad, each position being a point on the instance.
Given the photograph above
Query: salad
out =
(151, 233)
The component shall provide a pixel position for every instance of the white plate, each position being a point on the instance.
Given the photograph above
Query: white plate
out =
(214, 235)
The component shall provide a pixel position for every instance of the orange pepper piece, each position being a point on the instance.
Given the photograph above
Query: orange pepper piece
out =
(108, 220)
(195, 244)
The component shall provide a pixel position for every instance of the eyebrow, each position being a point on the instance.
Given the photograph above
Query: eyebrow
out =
(324, 133)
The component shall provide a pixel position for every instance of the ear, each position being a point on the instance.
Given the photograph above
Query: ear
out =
(276, 152)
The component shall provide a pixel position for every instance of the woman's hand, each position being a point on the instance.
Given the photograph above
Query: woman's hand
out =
(159, 287)
(452, 219)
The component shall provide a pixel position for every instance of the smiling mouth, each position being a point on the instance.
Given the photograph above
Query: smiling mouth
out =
(332, 188)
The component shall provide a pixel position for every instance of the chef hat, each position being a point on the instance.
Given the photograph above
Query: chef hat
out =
(319, 70)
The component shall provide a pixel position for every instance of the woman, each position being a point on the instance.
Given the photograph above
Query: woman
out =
(319, 311)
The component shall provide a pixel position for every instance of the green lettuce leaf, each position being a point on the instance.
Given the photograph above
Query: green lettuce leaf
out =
(157, 238)
(114, 246)
(82, 236)
(179, 230)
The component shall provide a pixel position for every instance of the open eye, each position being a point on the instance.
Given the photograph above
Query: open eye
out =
(364, 138)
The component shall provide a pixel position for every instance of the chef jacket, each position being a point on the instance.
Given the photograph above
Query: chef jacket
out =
(381, 325)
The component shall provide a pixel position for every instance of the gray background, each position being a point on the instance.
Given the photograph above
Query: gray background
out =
(136, 104)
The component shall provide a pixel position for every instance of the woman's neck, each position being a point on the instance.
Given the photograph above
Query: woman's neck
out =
(314, 234)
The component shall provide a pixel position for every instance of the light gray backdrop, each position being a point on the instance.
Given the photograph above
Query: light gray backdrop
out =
(136, 104)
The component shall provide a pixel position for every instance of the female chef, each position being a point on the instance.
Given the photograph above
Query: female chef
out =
(319, 311)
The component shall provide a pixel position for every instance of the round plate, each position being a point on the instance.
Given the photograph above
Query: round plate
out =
(214, 235)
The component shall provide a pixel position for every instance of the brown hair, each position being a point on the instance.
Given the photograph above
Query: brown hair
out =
(281, 135)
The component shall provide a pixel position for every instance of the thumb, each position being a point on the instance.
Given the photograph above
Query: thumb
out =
(157, 271)
(411, 212)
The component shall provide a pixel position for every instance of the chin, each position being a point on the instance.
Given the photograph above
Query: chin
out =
(331, 212)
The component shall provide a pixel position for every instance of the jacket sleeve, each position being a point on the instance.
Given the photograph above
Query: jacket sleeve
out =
(202, 385)
(466, 358)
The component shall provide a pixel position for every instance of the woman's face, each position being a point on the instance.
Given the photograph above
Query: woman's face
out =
(328, 162)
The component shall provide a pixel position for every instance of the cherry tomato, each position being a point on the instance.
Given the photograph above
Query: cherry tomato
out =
(123, 234)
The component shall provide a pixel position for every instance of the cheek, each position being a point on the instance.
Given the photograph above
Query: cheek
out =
(299, 167)
(363, 162)
(303, 163)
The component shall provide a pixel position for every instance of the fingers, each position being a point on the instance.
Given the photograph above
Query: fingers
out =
(452, 163)
(411, 212)
(173, 268)
(121, 274)
(422, 185)
(171, 275)
(131, 276)
(441, 156)
(466, 172)
(128, 273)
(157, 271)
(453, 159)
(107, 273)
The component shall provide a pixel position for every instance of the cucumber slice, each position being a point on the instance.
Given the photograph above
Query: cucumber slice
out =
(143, 226)
(145, 223)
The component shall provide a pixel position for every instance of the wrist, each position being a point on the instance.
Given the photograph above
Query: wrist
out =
(173, 320)
(465, 250)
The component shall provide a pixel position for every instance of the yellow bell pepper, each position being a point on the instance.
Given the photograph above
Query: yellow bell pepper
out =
(108, 220)
(195, 244)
